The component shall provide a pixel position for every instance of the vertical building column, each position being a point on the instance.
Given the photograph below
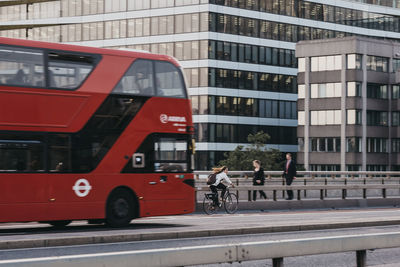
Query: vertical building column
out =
(307, 114)
(343, 113)
(389, 144)
(364, 113)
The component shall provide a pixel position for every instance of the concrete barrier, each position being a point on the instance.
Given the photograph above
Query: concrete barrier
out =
(209, 254)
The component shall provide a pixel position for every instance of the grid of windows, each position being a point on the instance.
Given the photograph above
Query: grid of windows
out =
(238, 133)
(249, 80)
(235, 52)
(268, 29)
(88, 7)
(326, 144)
(320, 12)
(238, 106)
(138, 27)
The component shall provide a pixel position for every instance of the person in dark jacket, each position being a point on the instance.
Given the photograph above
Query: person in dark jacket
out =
(258, 179)
(289, 173)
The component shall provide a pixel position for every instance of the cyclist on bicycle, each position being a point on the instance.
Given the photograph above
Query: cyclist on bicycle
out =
(221, 176)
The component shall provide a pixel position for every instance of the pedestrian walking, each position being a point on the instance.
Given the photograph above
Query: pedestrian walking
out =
(289, 173)
(258, 179)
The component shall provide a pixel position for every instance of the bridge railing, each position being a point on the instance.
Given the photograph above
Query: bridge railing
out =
(314, 184)
(183, 256)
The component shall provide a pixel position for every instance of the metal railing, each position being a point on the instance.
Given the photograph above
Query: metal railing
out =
(183, 256)
(341, 183)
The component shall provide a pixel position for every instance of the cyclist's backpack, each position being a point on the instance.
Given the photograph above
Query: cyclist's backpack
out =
(212, 178)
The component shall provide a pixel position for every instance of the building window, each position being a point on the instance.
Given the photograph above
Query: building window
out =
(377, 118)
(353, 168)
(324, 167)
(376, 168)
(301, 91)
(301, 118)
(326, 63)
(300, 144)
(302, 64)
(354, 116)
(377, 145)
(396, 118)
(326, 144)
(396, 64)
(325, 117)
(353, 144)
(354, 61)
(354, 88)
(396, 145)
(395, 92)
(375, 63)
(377, 91)
(324, 90)
(238, 133)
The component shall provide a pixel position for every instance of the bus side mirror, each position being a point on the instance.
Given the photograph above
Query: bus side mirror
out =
(138, 160)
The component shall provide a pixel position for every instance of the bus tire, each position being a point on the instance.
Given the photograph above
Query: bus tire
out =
(120, 208)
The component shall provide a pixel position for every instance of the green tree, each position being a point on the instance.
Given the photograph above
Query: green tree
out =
(241, 159)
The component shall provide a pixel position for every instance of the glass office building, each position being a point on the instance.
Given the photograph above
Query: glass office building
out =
(238, 55)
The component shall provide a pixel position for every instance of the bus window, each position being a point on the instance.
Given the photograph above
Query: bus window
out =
(68, 71)
(21, 66)
(169, 80)
(21, 156)
(59, 153)
(138, 80)
(170, 155)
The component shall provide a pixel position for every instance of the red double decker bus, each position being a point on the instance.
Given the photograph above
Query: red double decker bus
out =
(91, 133)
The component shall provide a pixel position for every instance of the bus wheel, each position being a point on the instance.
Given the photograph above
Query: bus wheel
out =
(120, 209)
(59, 224)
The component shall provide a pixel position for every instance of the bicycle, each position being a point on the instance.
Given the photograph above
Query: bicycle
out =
(229, 201)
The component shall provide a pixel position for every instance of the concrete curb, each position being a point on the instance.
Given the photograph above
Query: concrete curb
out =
(313, 204)
(79, 240)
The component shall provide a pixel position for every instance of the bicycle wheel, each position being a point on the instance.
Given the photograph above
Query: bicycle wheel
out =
(208, 205)
(231, 203)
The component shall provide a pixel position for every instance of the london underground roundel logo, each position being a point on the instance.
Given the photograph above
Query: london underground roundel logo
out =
(82, 188)
(163, 118)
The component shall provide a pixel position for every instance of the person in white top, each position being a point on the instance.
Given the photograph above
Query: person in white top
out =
(221, 176)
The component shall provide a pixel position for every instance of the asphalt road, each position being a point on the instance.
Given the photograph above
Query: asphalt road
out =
(202, 229)
(374, 258)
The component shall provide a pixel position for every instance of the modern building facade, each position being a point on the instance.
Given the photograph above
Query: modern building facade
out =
(238, 55)
(349, 104)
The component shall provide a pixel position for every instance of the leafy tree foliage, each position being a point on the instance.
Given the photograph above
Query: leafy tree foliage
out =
(241, 159)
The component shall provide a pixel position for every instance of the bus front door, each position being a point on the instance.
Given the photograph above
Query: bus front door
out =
(162, 193)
